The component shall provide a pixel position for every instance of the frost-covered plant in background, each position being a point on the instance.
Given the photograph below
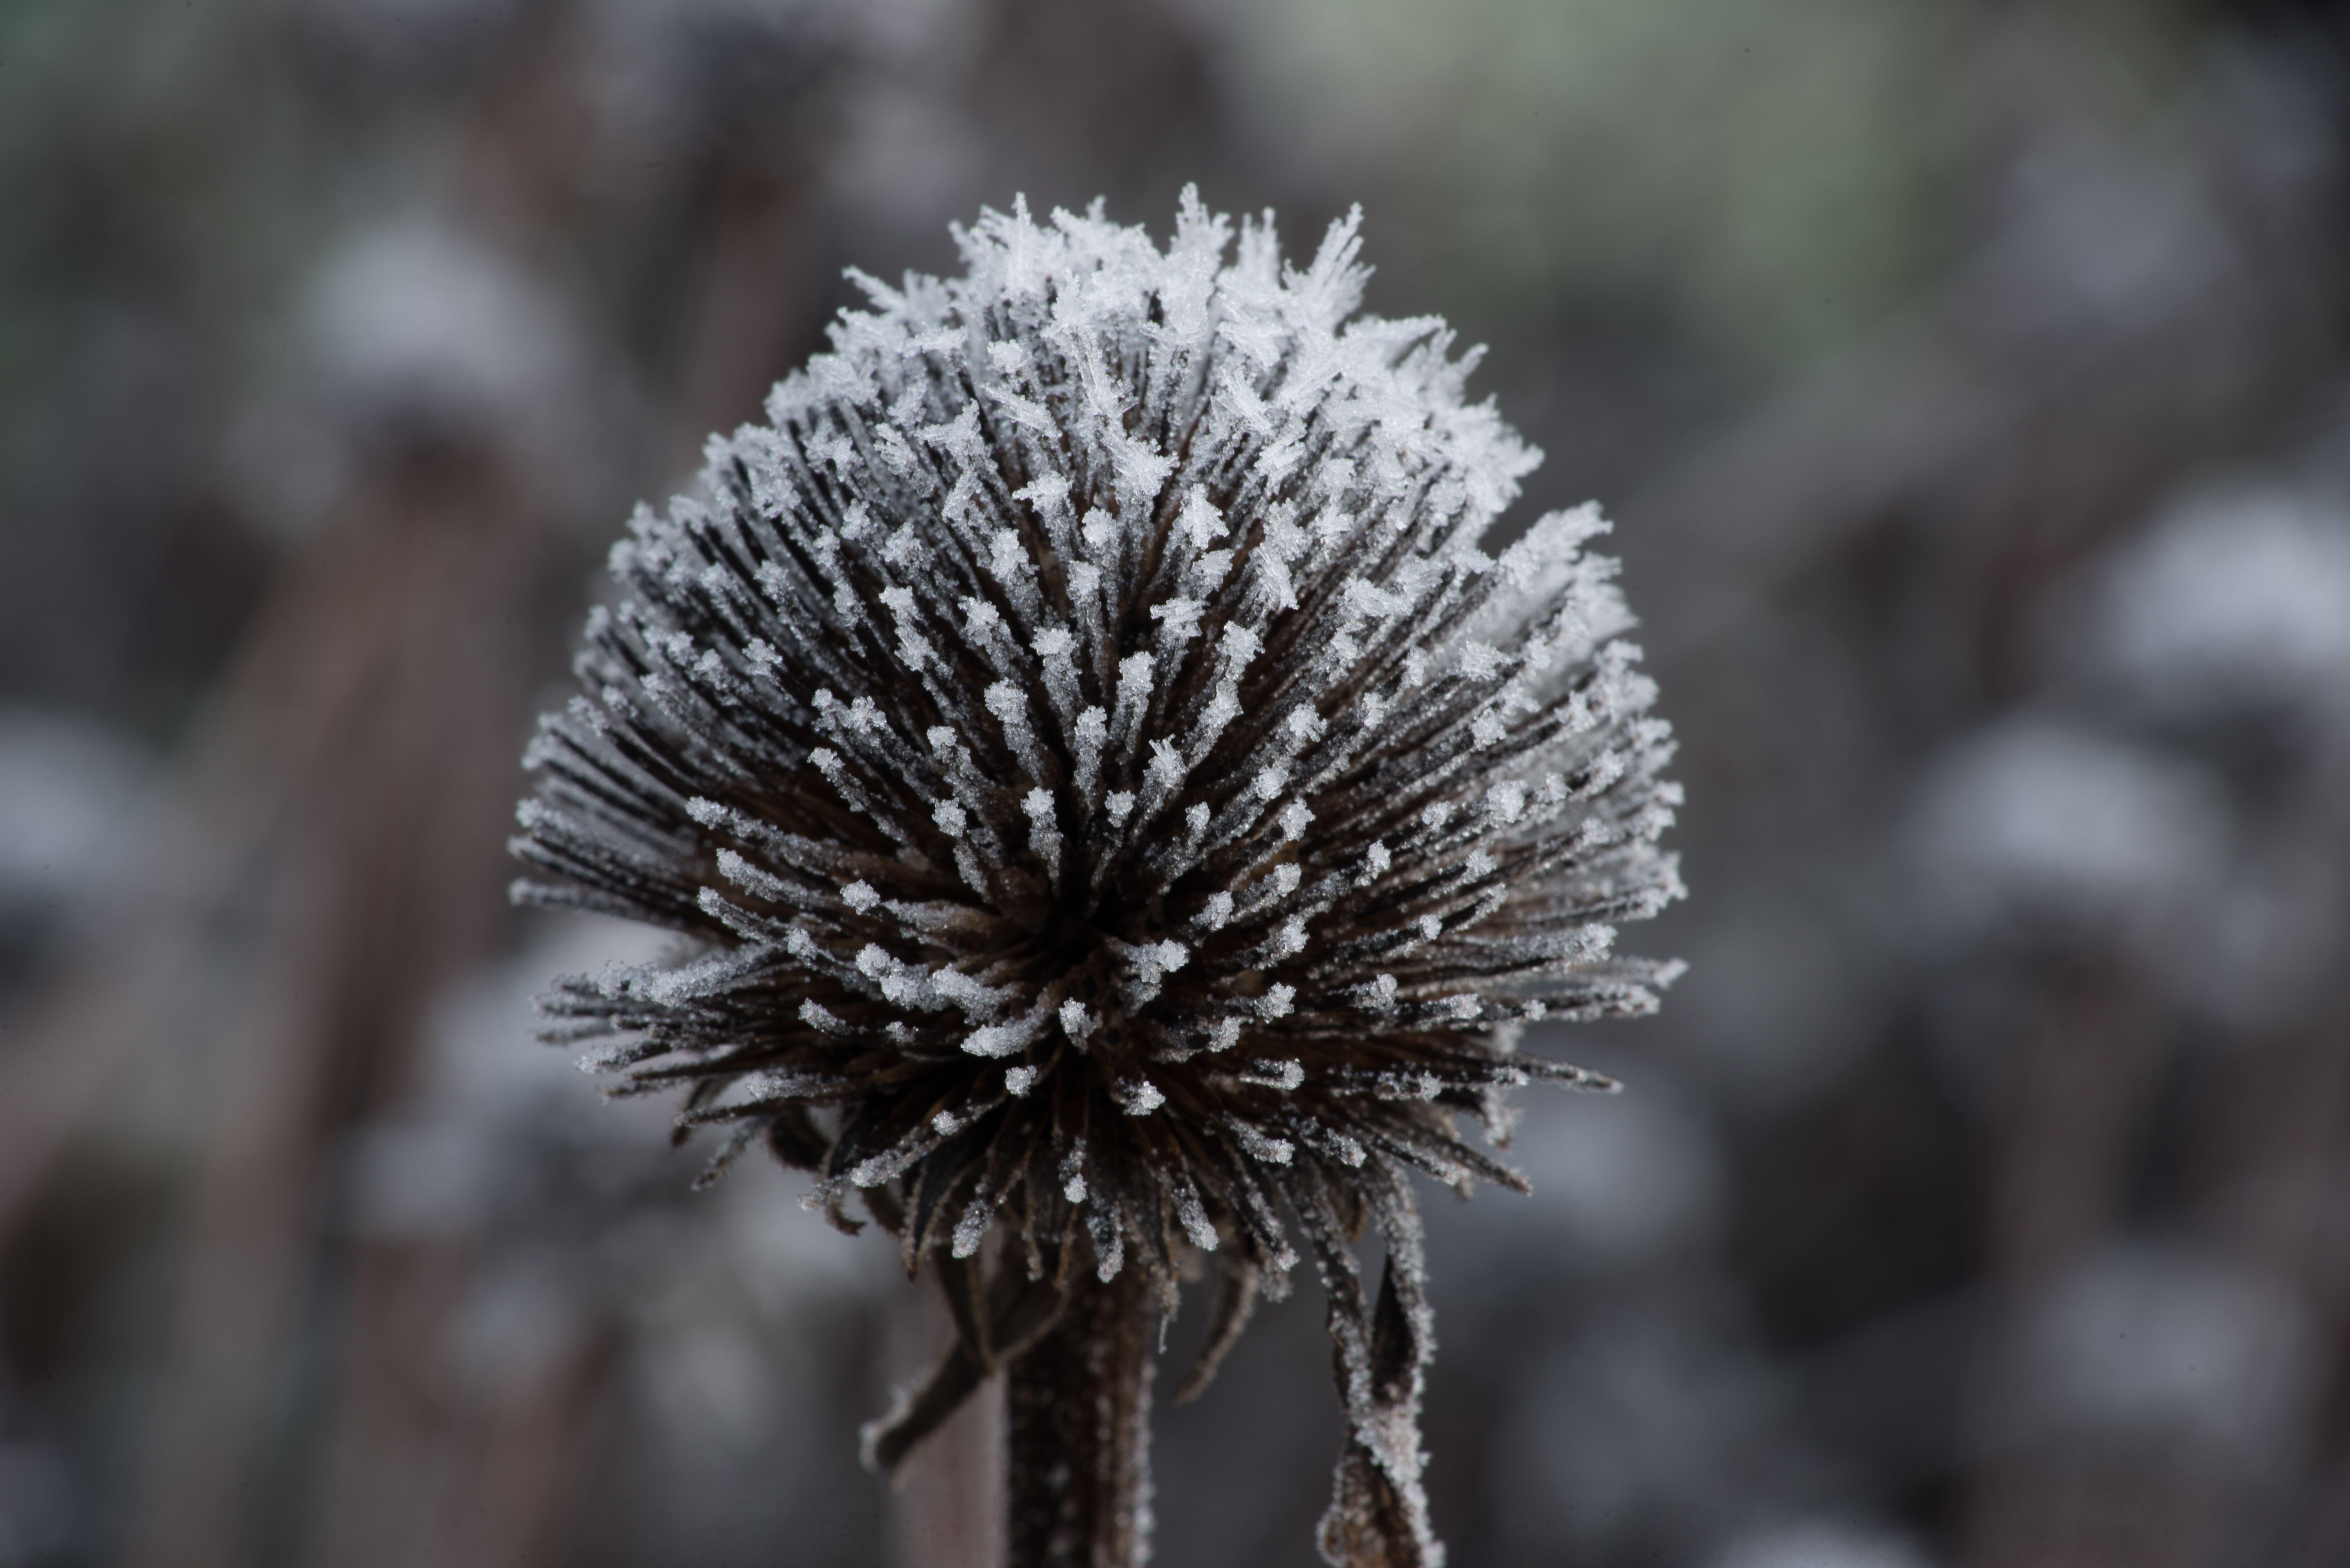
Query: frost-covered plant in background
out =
(1114, 809)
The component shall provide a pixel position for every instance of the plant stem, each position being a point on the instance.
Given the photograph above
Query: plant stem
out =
(1080, 1413)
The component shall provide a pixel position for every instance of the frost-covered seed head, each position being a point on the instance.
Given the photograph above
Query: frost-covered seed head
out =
(1109, 793)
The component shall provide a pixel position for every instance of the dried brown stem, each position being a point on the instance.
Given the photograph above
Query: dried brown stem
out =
(1079, 1409)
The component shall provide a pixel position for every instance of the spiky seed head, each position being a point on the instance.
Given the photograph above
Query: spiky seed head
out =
(1105, 791)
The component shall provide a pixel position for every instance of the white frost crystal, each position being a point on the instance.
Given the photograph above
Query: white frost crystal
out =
(1113, 794)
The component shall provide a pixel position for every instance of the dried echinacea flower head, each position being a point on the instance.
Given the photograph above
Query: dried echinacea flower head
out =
(1114, 808)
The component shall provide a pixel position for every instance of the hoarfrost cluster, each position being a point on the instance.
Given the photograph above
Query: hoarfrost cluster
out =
(1109, 798)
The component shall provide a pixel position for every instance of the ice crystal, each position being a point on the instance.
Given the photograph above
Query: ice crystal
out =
(1113, 803)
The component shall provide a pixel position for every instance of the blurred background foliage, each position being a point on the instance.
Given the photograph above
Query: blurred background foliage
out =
(1968, 382)
(1763, 178)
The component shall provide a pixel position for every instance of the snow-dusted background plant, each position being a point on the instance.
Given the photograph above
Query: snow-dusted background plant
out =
(1113, 807)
